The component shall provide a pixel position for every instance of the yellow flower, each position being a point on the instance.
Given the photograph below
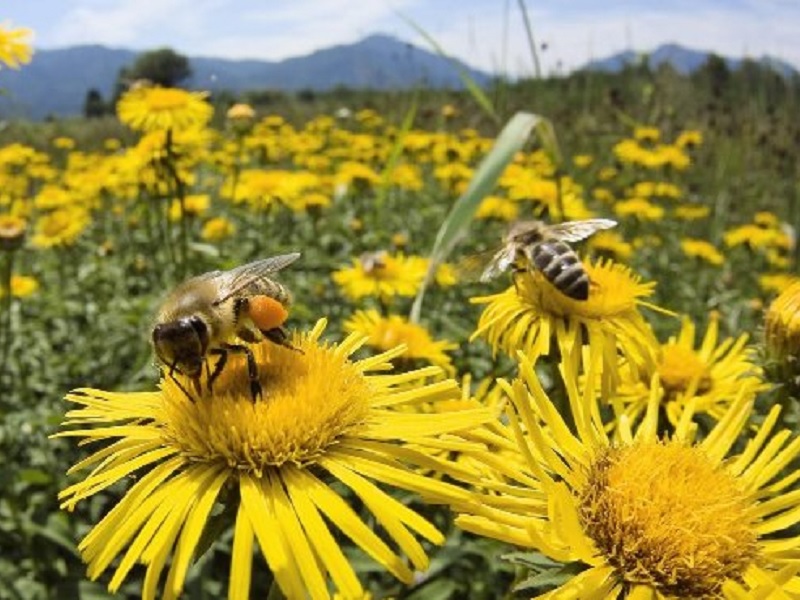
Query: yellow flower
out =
(710, 376)
(647, 134)
(691, 212)
(640, 209)
(12, 231)
(150, 109)
(777, 282)
(217, 229)
(323, 419)
(449, 111)
(497, 207)
(529, 315)
(61, 227)
(194, 205)
(15, 46)
(689, 138)
(22, 286)
(611, 243)
(64, 143)
(240, 111)
(407, 177)
(782, 326)
(386, 276)
(757, 237)
(385, 333)
(703, 250)
(644, 516)
(582, 160)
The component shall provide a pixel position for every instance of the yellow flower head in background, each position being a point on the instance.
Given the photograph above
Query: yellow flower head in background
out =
(61, 227)
(385, 333)
(15, 46)
(531, 314)
(12, 231)
(703, 250)
(497, 207)
(776, 283)
(710, 376)
(240, 111)
(323, 418)
(22, 286)
(782, 325)
(150, 109)
(648, 517)
(691, 212)
(217, 229)
(382, 274)
(194, 205)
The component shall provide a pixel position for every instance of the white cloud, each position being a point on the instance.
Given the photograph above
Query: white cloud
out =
(300, 27)
(488, 34)
(129, 22)
(486, 40)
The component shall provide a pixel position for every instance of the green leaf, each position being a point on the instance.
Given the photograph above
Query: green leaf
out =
(532, 560)
(394, 155)
(510, 141)
(551, 577)
(35, 476)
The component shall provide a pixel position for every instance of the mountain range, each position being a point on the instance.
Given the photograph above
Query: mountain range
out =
(683, 60)
(55, 83)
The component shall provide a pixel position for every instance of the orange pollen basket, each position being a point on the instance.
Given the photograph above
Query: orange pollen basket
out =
(266, 313)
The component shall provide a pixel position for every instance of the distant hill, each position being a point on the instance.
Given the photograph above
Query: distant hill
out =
(683, 60)
(56, 81)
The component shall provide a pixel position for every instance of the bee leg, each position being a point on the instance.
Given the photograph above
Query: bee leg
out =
(218, 366)
(171, 375)
(252, 368)
(515, 276)
(279, 335)
(181, 387)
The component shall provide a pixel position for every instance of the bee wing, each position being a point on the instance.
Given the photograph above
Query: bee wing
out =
(575, 231)
(239, 278)
(499, 263)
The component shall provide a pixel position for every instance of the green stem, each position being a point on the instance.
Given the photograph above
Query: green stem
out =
(180, 193)
(5, 329)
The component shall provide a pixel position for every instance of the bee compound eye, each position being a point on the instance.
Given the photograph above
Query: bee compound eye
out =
(200, 329)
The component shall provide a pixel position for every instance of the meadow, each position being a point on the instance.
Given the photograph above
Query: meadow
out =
(507, 442)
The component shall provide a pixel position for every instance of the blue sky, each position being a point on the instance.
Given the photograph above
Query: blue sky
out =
(484, 33)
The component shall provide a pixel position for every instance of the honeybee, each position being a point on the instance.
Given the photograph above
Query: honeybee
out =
(536, 245)
(209, 314)
(373, 261)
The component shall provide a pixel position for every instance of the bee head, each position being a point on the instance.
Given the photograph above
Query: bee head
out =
(182, 344)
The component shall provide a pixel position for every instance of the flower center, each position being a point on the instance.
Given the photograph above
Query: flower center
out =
(164, 99)
(310, 399)
(665, 515)
(680, 367)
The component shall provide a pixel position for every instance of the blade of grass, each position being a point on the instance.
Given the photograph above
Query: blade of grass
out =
(531, 43)
(396, 151)
(511, 139)
(469, 82)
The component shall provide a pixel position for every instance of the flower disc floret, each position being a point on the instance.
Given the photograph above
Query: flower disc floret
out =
(668, 517)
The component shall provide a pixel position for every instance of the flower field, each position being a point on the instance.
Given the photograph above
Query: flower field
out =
(406, 429)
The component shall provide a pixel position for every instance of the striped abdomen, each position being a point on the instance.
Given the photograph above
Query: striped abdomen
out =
(561, 266)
